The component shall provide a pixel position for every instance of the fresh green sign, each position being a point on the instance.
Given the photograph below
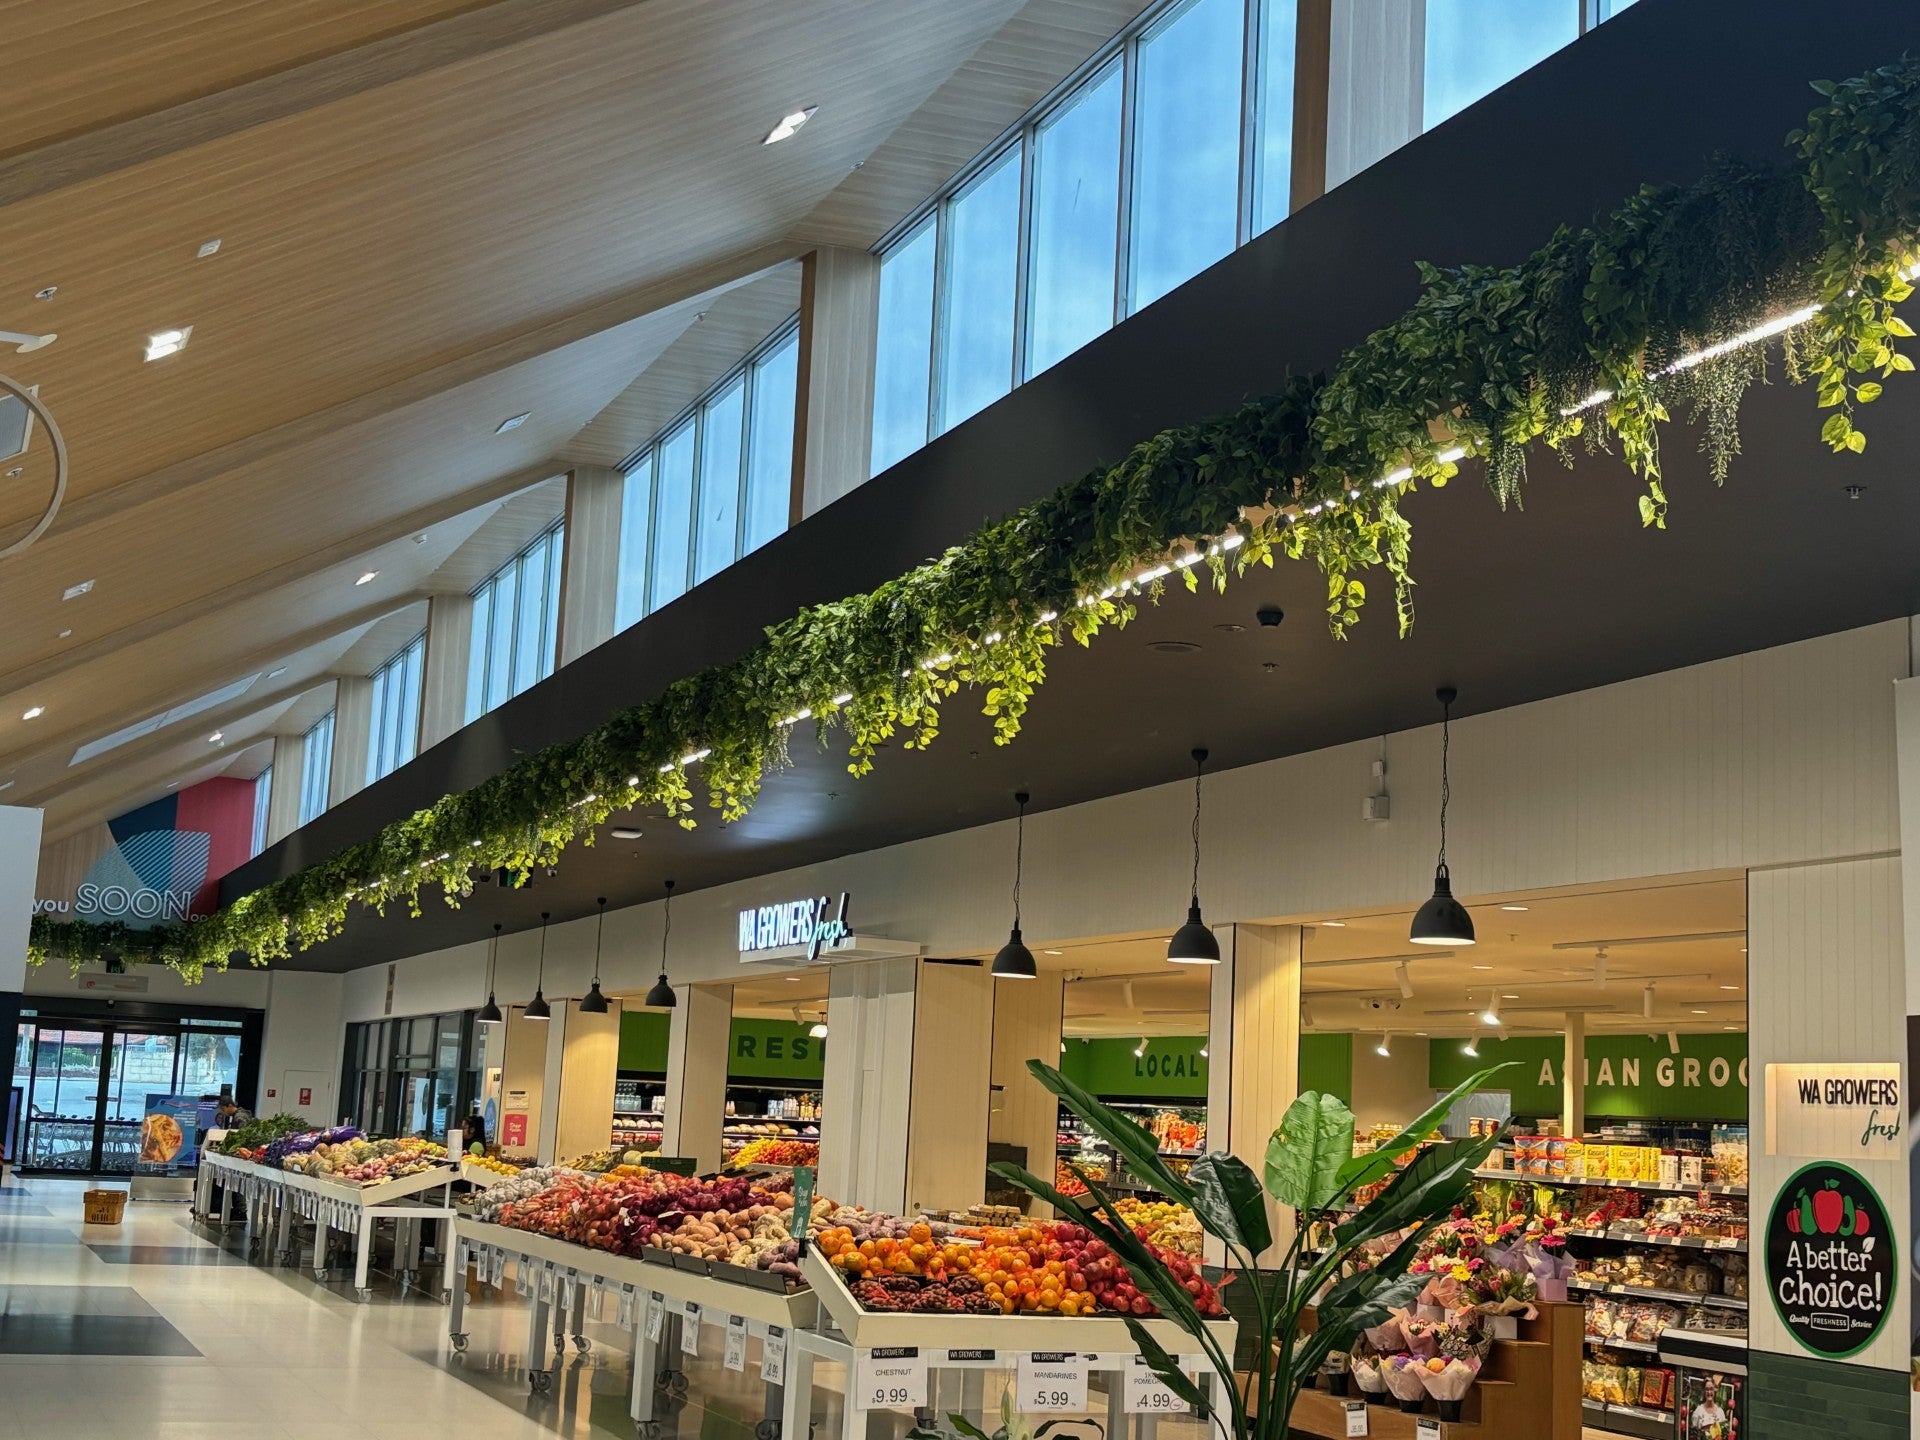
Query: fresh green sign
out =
(1628, 1076)
(758, 1049)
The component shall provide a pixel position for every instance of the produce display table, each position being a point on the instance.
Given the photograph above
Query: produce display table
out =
(946, 1359)
(656, 1301)
(277, 1197)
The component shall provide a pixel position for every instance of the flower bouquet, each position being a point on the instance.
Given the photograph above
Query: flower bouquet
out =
(1504, 1297)
(1388, 1338)
(1403, 1375)
(1422, 1337)
(1447, 1381)
(1366, 1374)
(1550, 1266)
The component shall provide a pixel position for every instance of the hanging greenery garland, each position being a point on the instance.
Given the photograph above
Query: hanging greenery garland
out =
(1596, 336)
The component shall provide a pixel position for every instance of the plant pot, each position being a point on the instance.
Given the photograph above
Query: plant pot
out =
(1553, 1292)
(1449, 1411)
(1337, 1384)
(1380, 1397)
(1414, 1406)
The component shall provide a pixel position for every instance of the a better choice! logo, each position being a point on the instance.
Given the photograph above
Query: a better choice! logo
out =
(1830, 1260)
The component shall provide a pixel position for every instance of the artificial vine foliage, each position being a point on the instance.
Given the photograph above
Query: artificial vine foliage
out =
(1596, 336)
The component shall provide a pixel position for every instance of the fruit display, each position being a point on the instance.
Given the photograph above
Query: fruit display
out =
(529, 1182)
(250, 1141)
(599, 1162)
(1055, 1269)
(491, 1165)
(365, 1162)
(1174, 1132)
(1165, 1223)
(769, 1151)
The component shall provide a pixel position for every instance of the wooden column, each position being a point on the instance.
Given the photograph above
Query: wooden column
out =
(283, 799)
(1253, 1043)
(443, 689)
(868, 1083)
(583, 1060)
(1573, 1078)
(1026, 1026)
(952, 1079)
(1375, 93)
(352, 737)
(833, 423)
(590, 559)
(523, 1087)
(697, 1049)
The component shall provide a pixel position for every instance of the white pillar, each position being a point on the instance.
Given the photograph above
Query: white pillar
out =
(1375, 92)
(833, 430)
(590, 563)
(582, 1060)
(698, 1041)
(868, 1083)
(283, 798)
(1573, 1077)
(1253, 1044)
(19, 868)
(1026, 1026)
(352, 737)
(443, 691)
(952, 1084)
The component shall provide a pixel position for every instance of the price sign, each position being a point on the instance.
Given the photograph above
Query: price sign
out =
(626, 1307)
(546, 1284)
(735, 1355)
(892, 1378)
(1053, 1380)
(802, 1201)
(1426, 1430)
(1356, 1418)
(656, 1317)
(1146, 1395)
(496, 1266)
(773, 1356)
(690, 1331)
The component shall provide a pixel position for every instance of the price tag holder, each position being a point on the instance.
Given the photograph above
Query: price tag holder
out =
(803, 1179)
(773, 1356)
(656, 1317)
(497, 1266)
(891, 1378)
(690, 1331)
(1356, 1418)
(734, 1357)
(1053, 1380)
(546, 1285)
(626, 1307)
(1426, 1430)
(1146, 1395)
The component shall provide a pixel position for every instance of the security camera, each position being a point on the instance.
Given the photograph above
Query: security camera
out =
(1269, 616)
(1380, 1004)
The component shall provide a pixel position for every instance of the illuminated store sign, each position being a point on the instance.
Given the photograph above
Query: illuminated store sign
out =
(813, 924)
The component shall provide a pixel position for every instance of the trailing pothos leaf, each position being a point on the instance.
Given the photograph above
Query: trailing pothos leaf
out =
(1597, 335)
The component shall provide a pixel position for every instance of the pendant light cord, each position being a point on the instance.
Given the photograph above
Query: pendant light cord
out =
(1446, 784)
(1199, 764)
(493, 959)
(540, 981)
(1019, 856)
(599, 931)
(666, 928)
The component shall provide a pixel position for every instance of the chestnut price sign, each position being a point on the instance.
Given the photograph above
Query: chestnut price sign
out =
(1831, 1262)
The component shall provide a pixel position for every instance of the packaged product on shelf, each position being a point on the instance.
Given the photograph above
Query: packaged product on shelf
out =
(1656, 1388)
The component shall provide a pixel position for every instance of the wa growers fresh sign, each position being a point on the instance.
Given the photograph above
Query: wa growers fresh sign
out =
(1840, 1110)
(812, 924)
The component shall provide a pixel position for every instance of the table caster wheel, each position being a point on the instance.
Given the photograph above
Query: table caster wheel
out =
(322, 1274)
(559, 1344)
(459, 1344)
(767, 1430)
(363, 1293)
(541, 1381)
(678, 1384)
(647, 1429)
(582, 1344)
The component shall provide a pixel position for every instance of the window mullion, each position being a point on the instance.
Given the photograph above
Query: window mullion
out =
(1023, 256)
(1123, 232)
(1252, 36)
(936, 379)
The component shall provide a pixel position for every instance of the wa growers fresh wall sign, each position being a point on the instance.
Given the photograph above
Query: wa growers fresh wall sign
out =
(1831, 1262)
(813, 924)
(1853, 1111)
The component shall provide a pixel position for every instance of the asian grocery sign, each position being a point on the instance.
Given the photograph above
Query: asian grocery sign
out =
(1831, 1262)
(1628, 1076)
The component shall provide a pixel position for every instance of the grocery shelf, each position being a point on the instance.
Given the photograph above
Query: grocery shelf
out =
(1600, 1342)
(1642, 1292)
(1629, 1419)
(1650, 1186)
(1635, 1237)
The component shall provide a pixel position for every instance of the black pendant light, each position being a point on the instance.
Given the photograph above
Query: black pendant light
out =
(593, 1002)
(1193, 943)
(537, 1008)
(1443, 920)
(661, 996)
(489, 1013)
(1015, 960)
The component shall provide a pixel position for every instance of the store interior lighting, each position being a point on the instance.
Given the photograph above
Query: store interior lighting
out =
(1385, 1048)
(661, 996)
(1193, 943)
(537, 1008)
(489, 1013)
(594, 1002)
(1443, 920)
(1015, 960)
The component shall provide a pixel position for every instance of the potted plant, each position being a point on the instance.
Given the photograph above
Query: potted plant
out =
(1311, 1169)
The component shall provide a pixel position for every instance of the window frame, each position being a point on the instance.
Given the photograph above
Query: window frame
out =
(403, 673)
(482, 642)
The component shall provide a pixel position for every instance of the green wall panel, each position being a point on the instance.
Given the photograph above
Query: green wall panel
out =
(1174, 1069)
(761, 1049)
(1795, 1397)
(1629, 1076)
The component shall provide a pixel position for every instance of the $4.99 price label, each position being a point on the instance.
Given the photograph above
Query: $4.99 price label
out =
(1146, 1395)
(1053, 1380)
(893, 1378)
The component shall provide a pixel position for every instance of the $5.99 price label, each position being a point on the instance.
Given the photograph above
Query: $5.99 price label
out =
(894, 1378)
(1146, 1395)
(1053, 1380)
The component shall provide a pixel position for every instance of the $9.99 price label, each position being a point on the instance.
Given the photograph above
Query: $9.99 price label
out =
(1053, 1380)
(893, 1378)
(1147, 1396)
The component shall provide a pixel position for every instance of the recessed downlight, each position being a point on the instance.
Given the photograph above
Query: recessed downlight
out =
(624, 832)
(789, 125)
(216, 737)
(513, 422)
(74, 592)
(1053, 952)
(368, 577)
(1513, 907)
(207, 247)
(33, 712)
(46, 292)
(163, 343)
(1334, 924)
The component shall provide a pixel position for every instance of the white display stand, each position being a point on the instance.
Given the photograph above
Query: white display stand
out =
(274, 1198)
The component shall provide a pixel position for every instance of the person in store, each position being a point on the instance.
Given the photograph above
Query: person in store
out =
(473, 1131)
(228, 1114)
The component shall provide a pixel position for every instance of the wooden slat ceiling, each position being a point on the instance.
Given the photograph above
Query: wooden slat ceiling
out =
(727, 329)
(433, 215)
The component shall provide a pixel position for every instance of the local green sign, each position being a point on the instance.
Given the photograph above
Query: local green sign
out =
(1628, 1076)
(1174, 1067)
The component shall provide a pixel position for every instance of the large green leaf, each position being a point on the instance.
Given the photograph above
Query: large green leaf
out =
(1366, 1169)
(1140, 1149)
(1425, 1188)
(1165, 1368)
(1228, 1200)
(1305, 1154)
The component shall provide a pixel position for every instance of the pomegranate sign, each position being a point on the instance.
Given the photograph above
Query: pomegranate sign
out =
(1831, 1266)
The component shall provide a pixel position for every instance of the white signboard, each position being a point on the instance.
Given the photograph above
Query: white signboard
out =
(894, 1378)
(1053, 1381)
(1836, 1112)
(1146, 1395)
